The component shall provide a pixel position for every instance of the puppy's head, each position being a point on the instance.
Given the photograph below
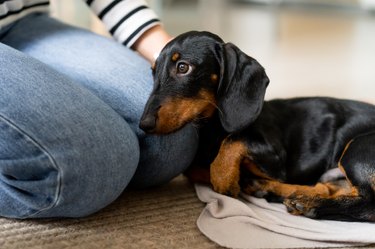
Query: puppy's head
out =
(197, 73)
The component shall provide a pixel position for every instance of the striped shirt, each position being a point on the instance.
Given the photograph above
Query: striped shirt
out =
(126, 20)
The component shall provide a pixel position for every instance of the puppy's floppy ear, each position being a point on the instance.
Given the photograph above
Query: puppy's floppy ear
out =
(242, 87)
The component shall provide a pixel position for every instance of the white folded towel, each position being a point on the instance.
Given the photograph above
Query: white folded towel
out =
(249, 222)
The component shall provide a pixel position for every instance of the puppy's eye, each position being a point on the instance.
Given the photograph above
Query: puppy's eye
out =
(183, 68)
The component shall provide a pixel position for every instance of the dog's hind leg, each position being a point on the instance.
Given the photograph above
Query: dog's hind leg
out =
(358, 164)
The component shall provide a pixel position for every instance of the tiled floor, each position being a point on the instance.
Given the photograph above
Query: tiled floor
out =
(307, 50)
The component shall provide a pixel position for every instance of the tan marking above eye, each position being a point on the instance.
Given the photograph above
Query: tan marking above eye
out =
(175, 57)
(214, 78)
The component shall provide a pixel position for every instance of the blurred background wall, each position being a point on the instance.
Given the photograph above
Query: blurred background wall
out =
(309, 48)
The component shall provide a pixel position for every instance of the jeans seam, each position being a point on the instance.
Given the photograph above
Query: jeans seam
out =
(51, 159)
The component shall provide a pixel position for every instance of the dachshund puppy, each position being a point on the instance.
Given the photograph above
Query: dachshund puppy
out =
(276, 149)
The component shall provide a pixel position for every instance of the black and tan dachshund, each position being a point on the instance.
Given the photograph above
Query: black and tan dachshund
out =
(276, 149)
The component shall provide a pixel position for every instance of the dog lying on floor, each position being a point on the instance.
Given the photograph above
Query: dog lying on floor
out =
(276, 149)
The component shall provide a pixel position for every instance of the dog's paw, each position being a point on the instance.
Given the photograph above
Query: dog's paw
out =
(301, 205)
(224, 179)
(258, 188)
(230, 188)
(255, 188)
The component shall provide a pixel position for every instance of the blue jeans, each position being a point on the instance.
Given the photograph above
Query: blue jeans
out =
(70, 103)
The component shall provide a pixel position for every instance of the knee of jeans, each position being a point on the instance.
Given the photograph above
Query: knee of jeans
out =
(165, 157)
(100, 179)
(41, 182)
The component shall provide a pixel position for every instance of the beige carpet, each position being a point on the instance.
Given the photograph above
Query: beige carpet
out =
(163, 217)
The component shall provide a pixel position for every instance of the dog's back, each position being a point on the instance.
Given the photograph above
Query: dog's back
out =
(307, 134)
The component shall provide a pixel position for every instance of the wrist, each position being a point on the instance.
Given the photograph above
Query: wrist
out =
(151, 42)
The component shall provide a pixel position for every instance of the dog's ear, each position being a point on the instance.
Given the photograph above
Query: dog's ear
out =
(241, 90)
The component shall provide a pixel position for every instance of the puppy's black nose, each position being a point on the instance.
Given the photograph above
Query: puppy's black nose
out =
(148, 123)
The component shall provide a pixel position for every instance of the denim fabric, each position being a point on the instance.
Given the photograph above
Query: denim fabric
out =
(70, 103)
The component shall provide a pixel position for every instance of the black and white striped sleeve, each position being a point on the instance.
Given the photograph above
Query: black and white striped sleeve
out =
(126, 20)
(11, 11)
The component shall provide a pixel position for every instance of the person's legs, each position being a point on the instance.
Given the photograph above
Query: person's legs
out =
(63, 151)
(118, 76)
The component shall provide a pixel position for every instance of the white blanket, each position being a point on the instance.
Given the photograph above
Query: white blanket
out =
(250, 222)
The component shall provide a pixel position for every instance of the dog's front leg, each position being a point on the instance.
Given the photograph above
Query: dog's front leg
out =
(225, 169)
